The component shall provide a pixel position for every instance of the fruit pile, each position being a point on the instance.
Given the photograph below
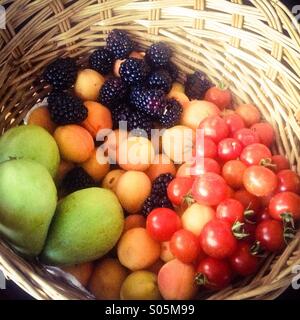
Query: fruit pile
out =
(203, 206)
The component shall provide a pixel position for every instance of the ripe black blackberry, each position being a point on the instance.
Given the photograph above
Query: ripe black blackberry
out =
(158, 197)
(101, 60)
(196, 85)
(149, 101)
(158, 55)
(172, 114)
(61, 73)
(160, 79)
(65, 108)
(134, 71)
(136, 120)
(112, 92)
(119, 44)
(77, 179)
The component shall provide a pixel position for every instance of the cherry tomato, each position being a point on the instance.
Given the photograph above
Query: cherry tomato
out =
(234, 122)
(213, 274)
(205, 148)
(229, 149)
(210, 189)
(260, 181)
(280, 163)
(162, 223)
(249, 113)
(265, 132)
(184, 245)
(243, 261)
(285, 202)
(217, 239)
(262, 215)
(248, 200)
(288, 180)
(219, 96)
(249, 229)
(246, 136)
(255, 153)
(233, 172)
(214, 127)
(205, 165)
(230, 210)
(178, 188)
(269, 233)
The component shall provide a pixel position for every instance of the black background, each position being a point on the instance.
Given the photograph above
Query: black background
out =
(13, 292)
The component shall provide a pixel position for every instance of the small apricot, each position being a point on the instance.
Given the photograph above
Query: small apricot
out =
(161, 164)
(82, 272)
(110, 181)
(180, 97)
(134, 221)
(63, 169)
(165, 254)
(41, 117)
(249, 113)
(184, 170)
(177, 86)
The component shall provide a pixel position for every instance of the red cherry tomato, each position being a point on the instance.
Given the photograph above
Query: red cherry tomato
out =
(288, 180)
(248, 200)
(178, 188)
(234, 122)
(249, 229)
(220, 97)
(162, 223)
(205, 165)
(260, 181)
(229, 149)
(184, 245)
(265, 132)
(205, 148)
(213, 273)
(217, 239)
(285, 202)
(230, 210)
(233, 172)
(214, 127)
(210, 189)
(243, 261)
(280, 163)
(269, 233)
(249, 113)
(255, 153)
(246, 136)
(262, 215)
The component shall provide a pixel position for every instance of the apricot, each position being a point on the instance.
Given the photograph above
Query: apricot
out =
(110, 181)
(156, 266)
(161, 164)
(177, 86)
(82, 272)
(132, 190)
(99, 117)
(249, 113)
(118, 62)
(63, 169)
(74, 142)
(88, 84)
(178, 143)
(176, 281)
(41, 117)
(196, 111)
(112, 143)
(135, 153)
(165, 254)
(195, 217)
(137, 250)
(107, 279)
(134, 221)
(180, 97)
(184, 170)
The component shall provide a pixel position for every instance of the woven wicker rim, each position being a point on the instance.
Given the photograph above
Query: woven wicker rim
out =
(253, 45)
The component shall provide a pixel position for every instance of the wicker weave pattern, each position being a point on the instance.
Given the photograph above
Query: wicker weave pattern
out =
(253, 45)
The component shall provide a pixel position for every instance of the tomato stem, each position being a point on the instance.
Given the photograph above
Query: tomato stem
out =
(201, 279)
(257, 251)
(238, 230)
(189, 199)
(248, 214)
(288, 227)
(267, 163)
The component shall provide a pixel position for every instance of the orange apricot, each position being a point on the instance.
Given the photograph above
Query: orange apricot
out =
(161, 164)
(134, 221)
(74, 142)
(184, 170)
(41, 117)
(82, 272)
(249, 113)
(63, 169)
(179, 96)
(110, 181)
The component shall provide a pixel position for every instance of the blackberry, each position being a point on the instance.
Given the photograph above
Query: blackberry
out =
(102, 61)
(136, 120)
(149, 101)
(112, 91)
(61, 73)
(119, 44)
(65, 108)
(172, 70)
(196, 85)
(77, 179)
(158, 55)
(158, 197)
(160, 80)
(134, 71)
(172, 113)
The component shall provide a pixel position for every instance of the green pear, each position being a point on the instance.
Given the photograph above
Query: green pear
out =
(30, 142)
(87, 224)
(28, 199)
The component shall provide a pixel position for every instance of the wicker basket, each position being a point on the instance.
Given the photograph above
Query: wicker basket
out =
(254, 45)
